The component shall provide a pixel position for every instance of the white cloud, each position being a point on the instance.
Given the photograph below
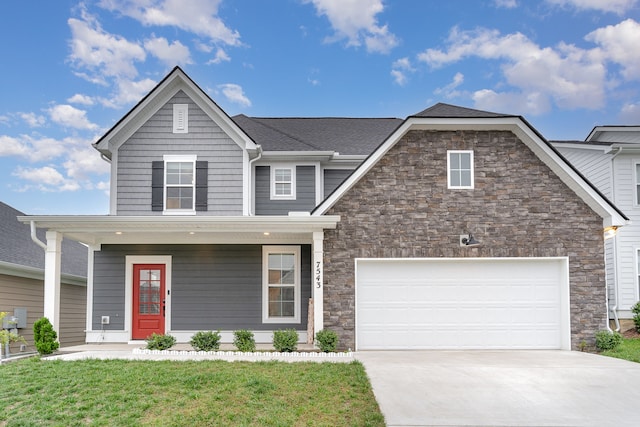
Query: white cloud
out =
(570, 76)
(235, 94)
(355, 20)
(615, 6)
(534, 103)
(34, 149)
(449, 91)
(81, 99)
(619, 44)
(33, 120)
(399, 70)
(221, 56)
(630, 113)
(69, 116)
(171, 54)
(506, 4)
(46, 178)
(101, 53)
(83, 162)
(197, 16)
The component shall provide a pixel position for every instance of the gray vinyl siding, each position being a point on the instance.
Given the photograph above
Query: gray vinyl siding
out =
(156, 138)
(595, 165)
(305, 192)
(333, 178)
(212, 286)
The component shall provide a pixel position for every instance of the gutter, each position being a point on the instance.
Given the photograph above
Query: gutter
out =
(251, 186)
(34, 237)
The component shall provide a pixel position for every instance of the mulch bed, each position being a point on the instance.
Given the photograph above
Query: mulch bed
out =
(630, 333)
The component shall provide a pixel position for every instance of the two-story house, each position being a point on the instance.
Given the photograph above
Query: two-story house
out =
(610, 158)
(452, 228)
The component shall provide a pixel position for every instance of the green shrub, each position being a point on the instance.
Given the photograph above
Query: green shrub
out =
(160, 342)
(607, 340)
(206, 341)
(44, 336)
(285, 341)
(636, 318)
(327, 340)
(244, 340)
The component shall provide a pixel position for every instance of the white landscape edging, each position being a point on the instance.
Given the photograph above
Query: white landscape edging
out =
(264, 354)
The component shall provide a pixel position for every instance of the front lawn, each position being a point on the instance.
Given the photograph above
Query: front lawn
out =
(628, 350)
(203, 393)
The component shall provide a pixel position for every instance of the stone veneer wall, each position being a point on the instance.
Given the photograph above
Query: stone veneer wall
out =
(518, 208)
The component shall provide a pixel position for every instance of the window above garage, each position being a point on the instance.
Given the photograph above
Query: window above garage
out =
(460, 169)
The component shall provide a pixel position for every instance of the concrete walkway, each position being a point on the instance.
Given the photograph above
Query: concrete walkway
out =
(503, 388)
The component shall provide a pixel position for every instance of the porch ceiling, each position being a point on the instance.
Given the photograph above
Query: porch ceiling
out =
(94, 230)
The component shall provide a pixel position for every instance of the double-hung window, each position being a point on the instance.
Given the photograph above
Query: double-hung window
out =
(281, 284)
(638, 184)
(179, 183)
(460, 169)
(283, 182)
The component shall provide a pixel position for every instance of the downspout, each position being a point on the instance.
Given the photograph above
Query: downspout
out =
(614, 309)
(251, 185)
(34, 237)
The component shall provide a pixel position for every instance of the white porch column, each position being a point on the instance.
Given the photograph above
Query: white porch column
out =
(52, 270)
(318, 285)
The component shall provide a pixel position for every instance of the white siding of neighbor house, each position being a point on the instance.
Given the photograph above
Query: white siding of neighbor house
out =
(628, 239)
(156, 138)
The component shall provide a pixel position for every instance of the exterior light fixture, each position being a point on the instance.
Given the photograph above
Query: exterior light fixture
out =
(266, 233)
(610, 232)
(468, 240)
(118, 232)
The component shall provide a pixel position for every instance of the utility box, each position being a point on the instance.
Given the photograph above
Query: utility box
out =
(21, 315)
(9, 322)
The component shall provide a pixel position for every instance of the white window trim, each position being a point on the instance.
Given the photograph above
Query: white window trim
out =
(272, 182)
(180, 118)
(459, 187)
(636, 202)
(169, 158)
(266, 250)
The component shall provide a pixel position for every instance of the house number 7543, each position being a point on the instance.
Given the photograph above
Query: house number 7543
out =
(318, 275)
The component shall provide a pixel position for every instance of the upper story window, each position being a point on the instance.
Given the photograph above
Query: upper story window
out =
(179, 183)
(283, 183)
(180, 118)
(460, 169)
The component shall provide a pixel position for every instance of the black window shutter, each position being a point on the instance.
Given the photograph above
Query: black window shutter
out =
(202, 177)
(157, 185)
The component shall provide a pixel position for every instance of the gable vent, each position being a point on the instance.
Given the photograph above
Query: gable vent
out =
(180, 118)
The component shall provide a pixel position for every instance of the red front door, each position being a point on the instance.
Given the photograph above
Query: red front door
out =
(148, 300)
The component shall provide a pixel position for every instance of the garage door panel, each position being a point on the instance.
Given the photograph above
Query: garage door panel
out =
(476, 303)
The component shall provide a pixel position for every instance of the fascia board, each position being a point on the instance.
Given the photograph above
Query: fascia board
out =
(579, 146)
(514, 124)
(603, 129)
(297, 155)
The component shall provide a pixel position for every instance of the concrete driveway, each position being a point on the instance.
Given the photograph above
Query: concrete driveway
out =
(503, 388)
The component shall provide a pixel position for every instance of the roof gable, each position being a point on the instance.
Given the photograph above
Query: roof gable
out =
(527, 134)
(175, 81)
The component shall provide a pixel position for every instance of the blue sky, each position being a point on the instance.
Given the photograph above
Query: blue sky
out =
(71, 69)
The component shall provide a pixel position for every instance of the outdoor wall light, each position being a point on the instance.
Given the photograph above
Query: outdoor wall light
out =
(610, 232)
(468, 240)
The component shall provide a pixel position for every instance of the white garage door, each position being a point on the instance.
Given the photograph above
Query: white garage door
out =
(462, 303)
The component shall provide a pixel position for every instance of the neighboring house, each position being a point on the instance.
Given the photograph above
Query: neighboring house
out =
(22, 268)
(610, 158)
(368, 227)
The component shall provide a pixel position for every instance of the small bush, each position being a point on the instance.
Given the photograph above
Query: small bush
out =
(285, 341)
(244, 340)
(606, 340)
(636, 318)
(160, 342)
(206, 341)
(327, 340)
(44, 336)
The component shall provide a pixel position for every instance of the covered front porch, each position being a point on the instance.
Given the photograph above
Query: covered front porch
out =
(219, 273)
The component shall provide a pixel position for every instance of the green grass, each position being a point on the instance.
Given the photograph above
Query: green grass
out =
(628, 350)
(36, 392)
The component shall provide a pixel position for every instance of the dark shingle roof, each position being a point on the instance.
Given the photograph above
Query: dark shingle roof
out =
(18, 248)
(441, 110)
(356, 136)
